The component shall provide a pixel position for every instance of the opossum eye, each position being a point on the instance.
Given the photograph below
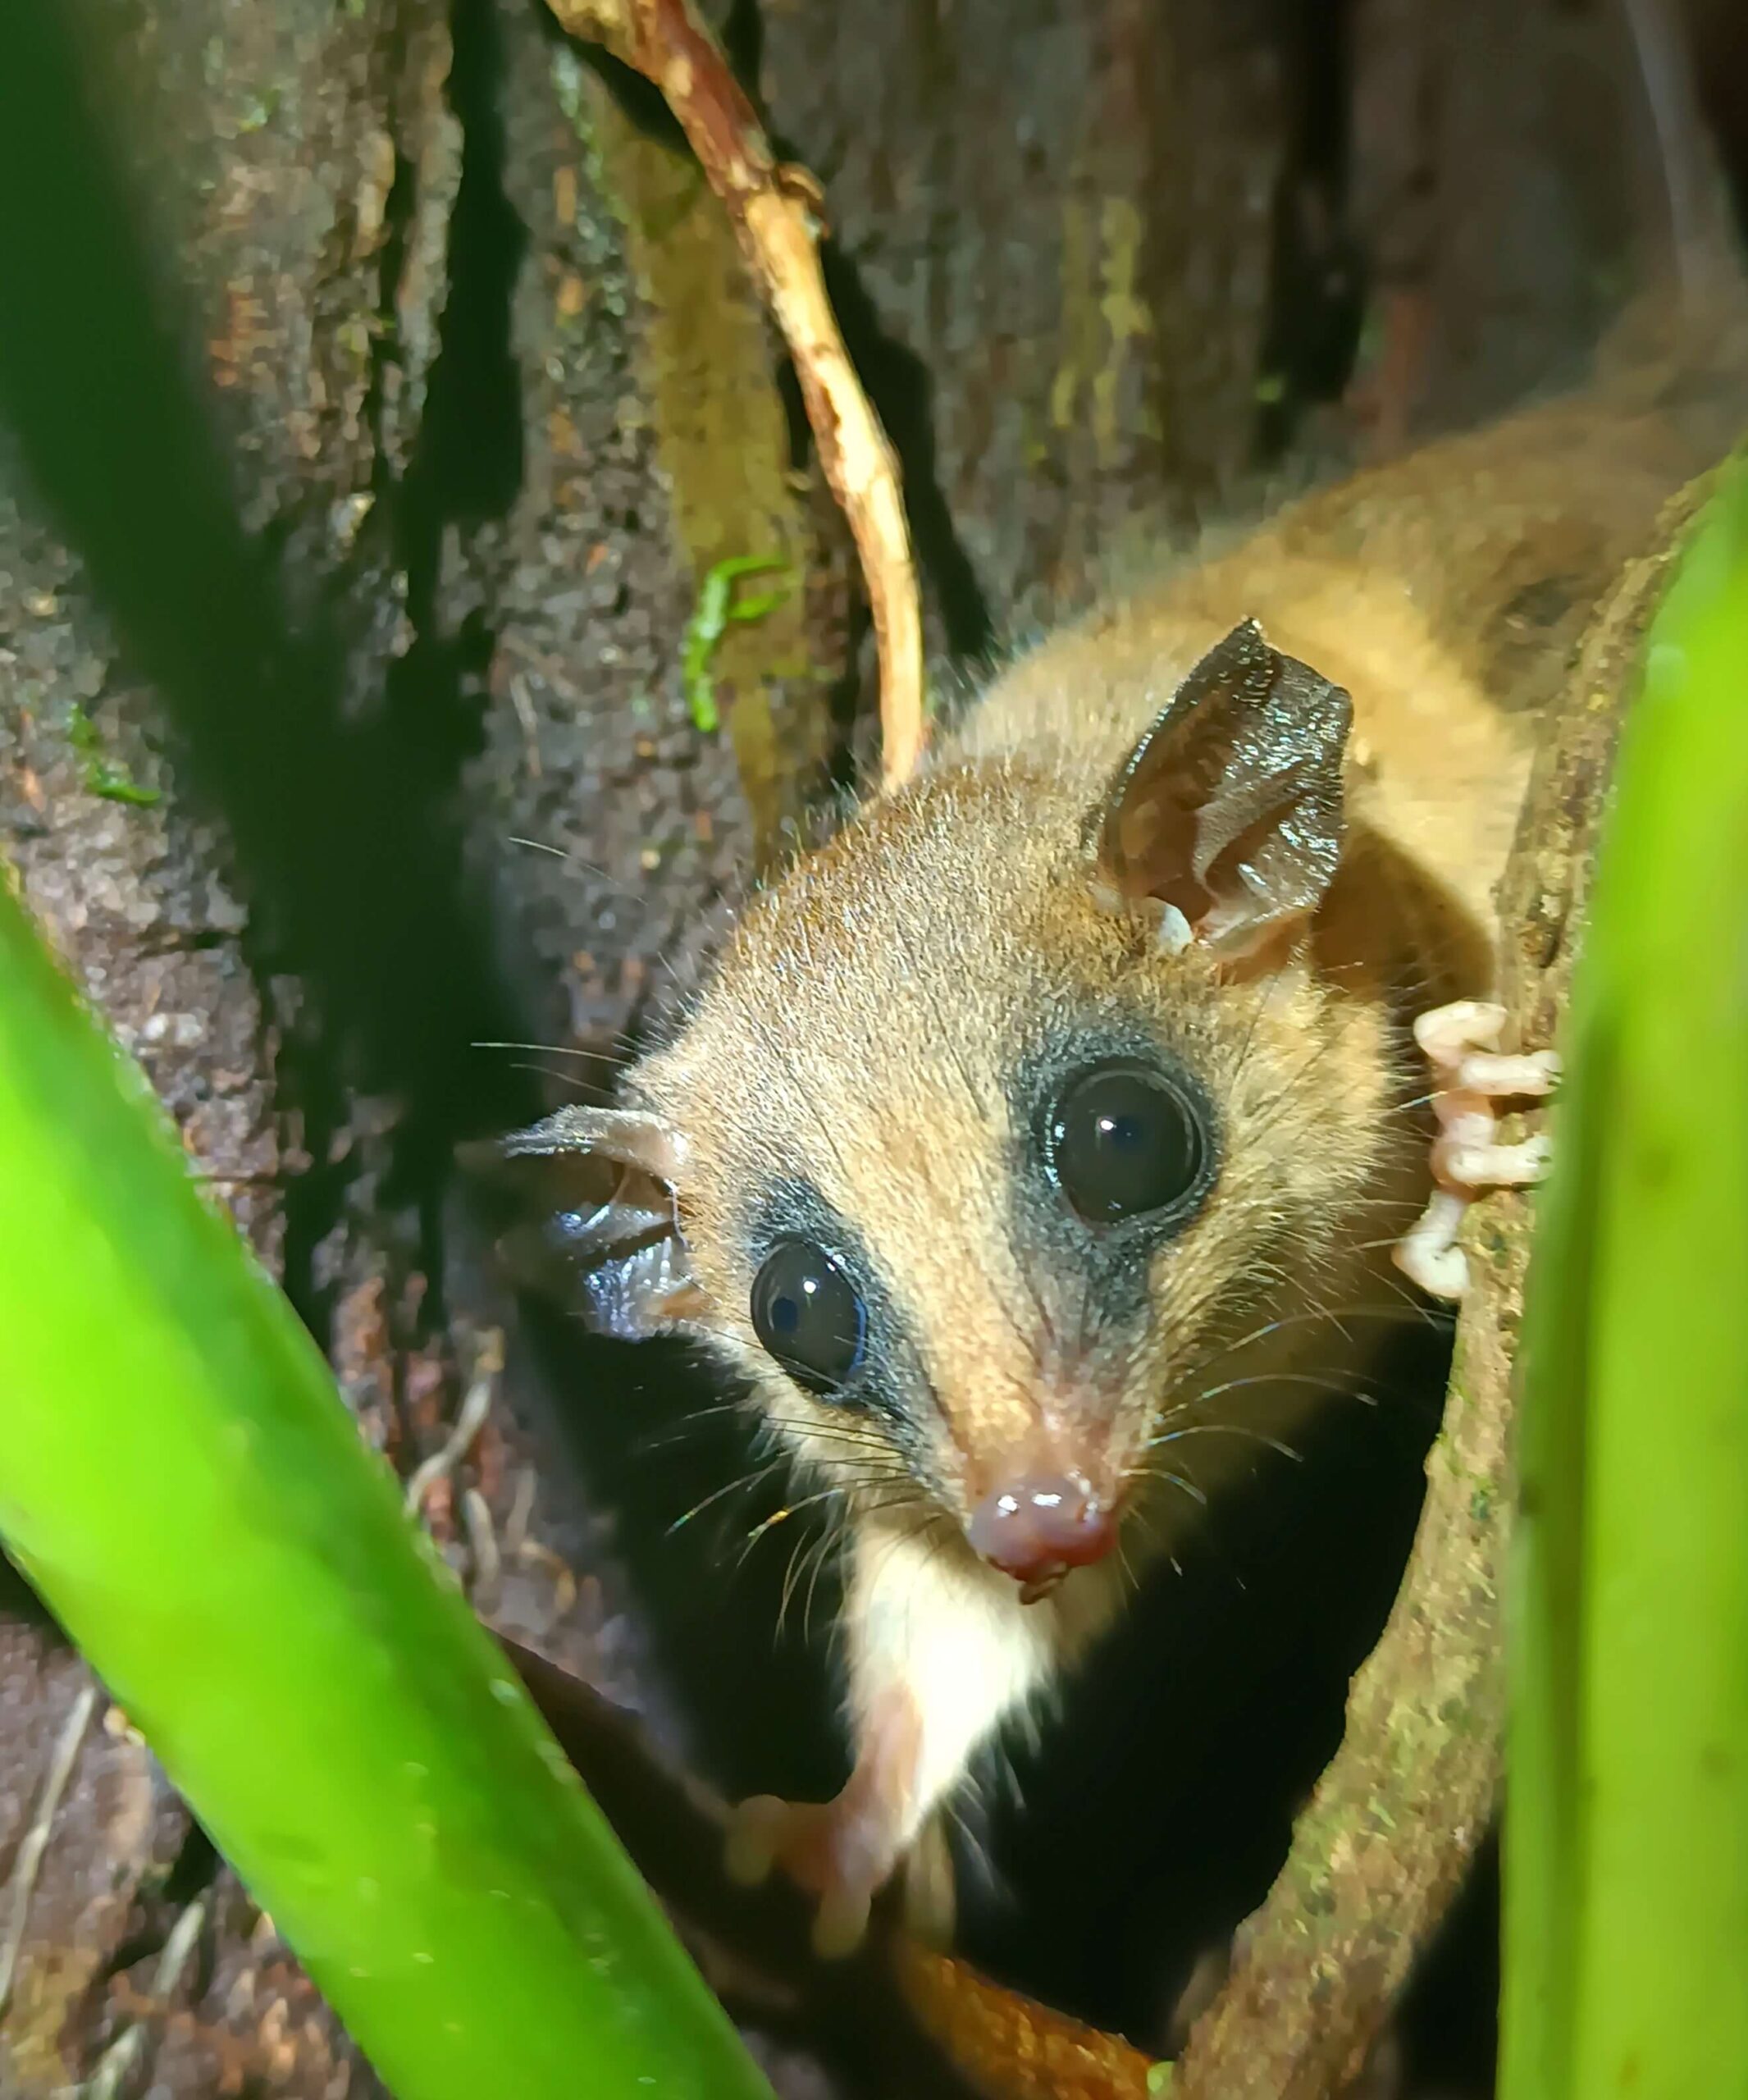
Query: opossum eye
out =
(1124, 1139)
(808, 1315)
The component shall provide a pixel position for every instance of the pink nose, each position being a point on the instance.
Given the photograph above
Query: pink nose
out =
(1039, 1526)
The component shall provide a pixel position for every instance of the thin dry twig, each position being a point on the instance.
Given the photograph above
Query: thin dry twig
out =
(776, 209)
(1393, 1825)
(35, 1844)
(488, 1367)
(1009, 2047)
(116, 2065)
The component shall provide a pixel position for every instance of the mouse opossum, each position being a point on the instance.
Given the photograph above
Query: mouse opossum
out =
(1033, 1134)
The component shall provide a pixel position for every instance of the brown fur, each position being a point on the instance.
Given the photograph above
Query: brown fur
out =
(863, 1026)
(868, 1004)
(865, 1019)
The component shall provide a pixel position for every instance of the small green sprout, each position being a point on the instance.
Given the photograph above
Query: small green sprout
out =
(113, 783)
(716, 607)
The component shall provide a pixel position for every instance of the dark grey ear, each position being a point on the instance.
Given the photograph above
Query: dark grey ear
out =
(1227, 813)
(602, 1232)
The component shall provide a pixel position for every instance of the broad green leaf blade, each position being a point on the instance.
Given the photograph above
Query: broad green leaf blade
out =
(180, 1480)
(1627, 1833)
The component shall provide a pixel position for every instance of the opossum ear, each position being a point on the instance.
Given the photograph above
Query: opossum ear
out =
(602, 1235)
(1227, 813)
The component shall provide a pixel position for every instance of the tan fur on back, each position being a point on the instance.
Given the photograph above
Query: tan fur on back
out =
(870, 1037)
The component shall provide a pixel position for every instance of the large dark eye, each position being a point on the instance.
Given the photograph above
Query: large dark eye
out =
(806, 1312)
(1124, 1139)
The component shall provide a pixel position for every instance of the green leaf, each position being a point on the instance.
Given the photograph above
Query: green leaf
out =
(717, 606)
(180, 1480)
(1627, 1826)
